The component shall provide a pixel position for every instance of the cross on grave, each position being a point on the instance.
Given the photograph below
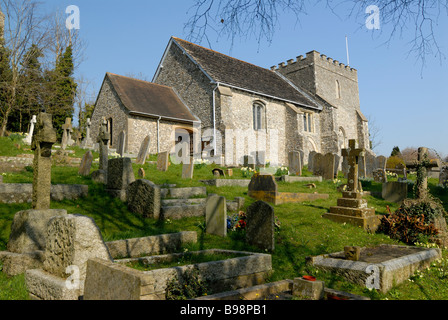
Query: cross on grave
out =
(42, 142)
(422, 165)
(103, 140)
(353, 156)
(67, 129)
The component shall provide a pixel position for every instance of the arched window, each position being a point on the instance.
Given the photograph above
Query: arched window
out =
(338, 89)
(258, 116)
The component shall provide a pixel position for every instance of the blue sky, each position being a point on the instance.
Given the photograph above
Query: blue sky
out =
(408, 104)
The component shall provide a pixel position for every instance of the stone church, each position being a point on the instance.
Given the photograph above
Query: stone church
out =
(235, 108)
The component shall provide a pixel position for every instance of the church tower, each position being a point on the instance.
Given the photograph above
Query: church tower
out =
(337, 84)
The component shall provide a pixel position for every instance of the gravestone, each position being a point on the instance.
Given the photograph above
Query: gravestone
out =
(119, 175)
(443, 176)
(71, 241)
(328, 166)
(86, 164)
(188, 169)
(87, 142)
(394, 191)
(216, 215)
(103, 141)
(66, 134)
(294, 163)
(163, 161)
(121, 143)
(29, 137)
(78, 136)
(264, 187)
(317, 164)
(100, 175)
(381, 162)
(379, 175)
(143, 152)
(42, 142)
(311, 161)
(27, 240)
(217, 172)
(249, 162)
(144, 198)
(352, 208)
(260, 225)
(421, 166)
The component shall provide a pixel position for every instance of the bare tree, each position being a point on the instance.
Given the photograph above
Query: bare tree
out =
(374, 133)
(62, 37)
(24, 27)
(236, 18)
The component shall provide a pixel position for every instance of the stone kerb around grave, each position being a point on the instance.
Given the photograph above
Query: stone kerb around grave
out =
(115, 281)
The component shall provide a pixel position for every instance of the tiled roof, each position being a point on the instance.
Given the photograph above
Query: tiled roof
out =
(150, 99)
(240, 74)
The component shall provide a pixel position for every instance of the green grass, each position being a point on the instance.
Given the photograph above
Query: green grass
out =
(303, 232)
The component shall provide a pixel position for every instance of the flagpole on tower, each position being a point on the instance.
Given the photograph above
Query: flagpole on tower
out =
(348, 56)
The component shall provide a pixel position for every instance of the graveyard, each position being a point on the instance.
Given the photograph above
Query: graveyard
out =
(180, 214)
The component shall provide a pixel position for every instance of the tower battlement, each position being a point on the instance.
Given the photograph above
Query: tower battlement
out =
(313, 57)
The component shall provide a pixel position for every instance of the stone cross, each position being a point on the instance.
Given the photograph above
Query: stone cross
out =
(29, 137)
(353, 156)
(42, 142)
(103, 141)
(87, 142)
(422, 165)
(67, 127)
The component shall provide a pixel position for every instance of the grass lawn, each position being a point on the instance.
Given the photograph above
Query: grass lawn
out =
(303, 232)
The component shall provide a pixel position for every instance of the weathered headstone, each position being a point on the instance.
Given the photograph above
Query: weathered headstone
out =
(188, 169)
(143, 152)
(328, 166)
(27, 240)
(216, 215)
(379, 175)
(29, 137)
(311, 161)
(260, 225)
(381, 162)
(86, 164)
(66, 133)
(394, 191)
(71, 241)
(443, 176)
(163, 161)
(121, 143)
(103, 140)
(422, 165)
(249, 162)
(294, 163)
(119, 175)
(217, 172)
(42, 142)
(100, 175)
(318, 164)
(352, 208)
(144, 198)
